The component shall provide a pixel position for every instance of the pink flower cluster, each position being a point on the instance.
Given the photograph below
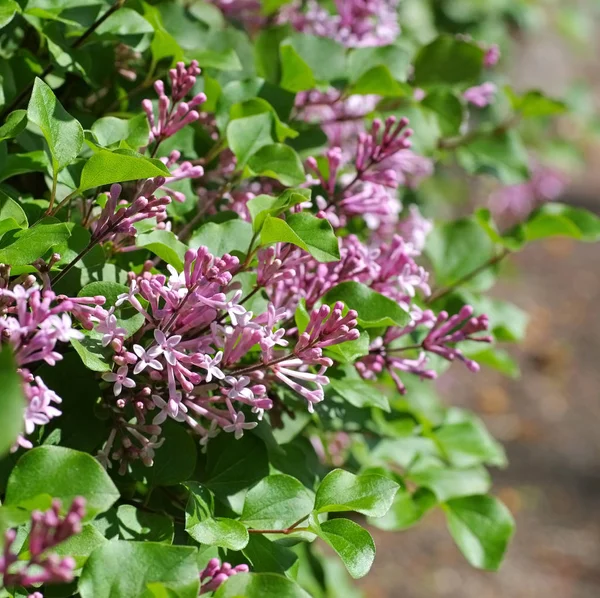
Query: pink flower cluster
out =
(215, 573)
(47, 530)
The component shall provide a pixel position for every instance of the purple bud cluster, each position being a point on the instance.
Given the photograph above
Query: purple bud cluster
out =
(47, 530)
(215, 573)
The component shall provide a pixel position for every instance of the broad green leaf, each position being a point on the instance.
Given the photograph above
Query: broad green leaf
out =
(359, 392)
(268, 7)
(362, 60)
(556, 219)
(260, 106)
(81, 545)
(259, 585)
(325, 57)
(296, 75)
(91, 352)
(349, 351)
(468, 443)
(448, 108)
(12, 404)
(458, 248)
(8, 9)
(452, 482)
(126, 522)
(448, 60)
(24, 246)
(16, 164)
(63, 134)
(61, 473)
(165, 245)
(125, 569)
(304, 230)
(534, 103)
(9, 208)
(234, 466)
(278, 161)
(174, 461)
(276, 502)
(353, 544)
(226, 237)
(247, 135)
(201, 524)
(369, 494)
(128, 27)
(406, 510)
(262, 206)
(498, 360)
(379, 81)
(106, 167)
(266, 556)
(15, 122)
(374, 310)
(481, 527)
(110, 130)
(502, 155)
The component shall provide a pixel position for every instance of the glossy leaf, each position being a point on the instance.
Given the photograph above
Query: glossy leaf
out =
(262, 206)
(259, 585)
(226, 237)
(278, 161)
(165, 245)
(110, 130)
(276, 502)
(12, 404)
(481, 527)
(127, 522)
(15, 123)
(247, 135)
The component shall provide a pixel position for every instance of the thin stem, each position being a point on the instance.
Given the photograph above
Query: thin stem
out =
(78, 43)
(53, 192)
(288, 530)
(72, 263)
(260, 366)
(467, 277)
(69, 197)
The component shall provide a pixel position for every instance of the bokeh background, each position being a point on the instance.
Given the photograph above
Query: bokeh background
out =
(549, 419)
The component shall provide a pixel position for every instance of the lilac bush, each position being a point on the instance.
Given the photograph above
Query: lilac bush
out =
(227, 288)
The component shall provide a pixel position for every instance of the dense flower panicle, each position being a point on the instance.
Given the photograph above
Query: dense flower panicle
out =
(481, 95)
(513, 203)
(414, 229)
(179, 172)
(33, 322)
(47, 530)
(173, 113)
(215, 573)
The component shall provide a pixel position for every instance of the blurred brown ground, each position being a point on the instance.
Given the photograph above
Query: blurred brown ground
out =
(549, 420)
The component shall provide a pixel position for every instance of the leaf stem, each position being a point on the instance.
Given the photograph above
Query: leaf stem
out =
(288, 530)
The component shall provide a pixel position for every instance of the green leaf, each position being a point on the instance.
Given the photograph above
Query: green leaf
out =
(63, 134)
(165, 245)
(498, 360)
(10, 209)
(448, 108)
(226, 237)
(61, 473)
(25, 246)
(502, 155)
(12, 404)
(374, 310)
(91, 352)
(296, 75)
(448, 60)
(458, 248)
(349, 351)
(406, 510)
(468, 443)
(259, 585)
(174, 461)
(268, 7)
(276, 502)
(353, 544)
(247, 135)
(325, 57)
(379, 81)
(106, 167)
(278, 161)
(481, 527)
(556, 219)
(304, 230)
(234, 466)
(268, 557)
(534, 103)
(451, 482)
(16, 164)
(359, 392)
(15, 123)
(362, 60)
(369, 494)
(262, 206)
(126, 569)
(8, 9)
(207, 529)
(126, 522)
(126, 26)
(110, 130)
(81, 545)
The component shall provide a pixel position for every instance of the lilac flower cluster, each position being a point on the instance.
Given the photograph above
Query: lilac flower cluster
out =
(47, 530)
(215, 573)
(187, 363)
(33, 321)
